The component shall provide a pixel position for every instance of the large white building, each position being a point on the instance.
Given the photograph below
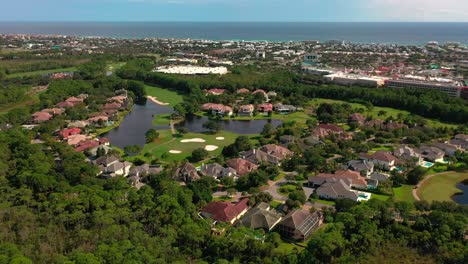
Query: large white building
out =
(352, 79)
(454, 89)
(192, 70)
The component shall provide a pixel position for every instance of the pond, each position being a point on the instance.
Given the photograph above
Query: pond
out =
(462, 198)
(134, 126)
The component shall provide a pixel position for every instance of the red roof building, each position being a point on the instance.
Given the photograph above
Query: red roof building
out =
(331, 127)
(265, 108)
(85, 145)
(224, 211)
(40, 117)
(216, 91)
(243, 90)
(65, 134)
(242, 166)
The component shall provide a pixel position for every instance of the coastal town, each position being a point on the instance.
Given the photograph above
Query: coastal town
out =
(271, 140)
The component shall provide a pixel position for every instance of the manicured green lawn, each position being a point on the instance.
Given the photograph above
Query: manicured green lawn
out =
(162, 119)
(376, 109)
(167, 143)
(323, 201)
(404, 193)
(164, 95)
(441, 187)
(27, 74)
(380, 197)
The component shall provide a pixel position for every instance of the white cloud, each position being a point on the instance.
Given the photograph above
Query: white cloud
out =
(421, 10)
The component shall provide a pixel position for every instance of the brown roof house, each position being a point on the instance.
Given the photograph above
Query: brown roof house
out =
(269, 153)
(261, 216)
(299, 224)
(242, 166)
(187, 173)
(246, 110)
(432, 153)
(40, 117)
(217, 171)
(357, 118)
(225, 211)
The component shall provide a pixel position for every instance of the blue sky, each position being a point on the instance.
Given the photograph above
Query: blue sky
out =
(235, 10)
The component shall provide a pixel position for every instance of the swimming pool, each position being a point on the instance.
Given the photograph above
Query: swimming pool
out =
(427, 164)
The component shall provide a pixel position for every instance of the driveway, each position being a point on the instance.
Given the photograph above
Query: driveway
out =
(273, 187)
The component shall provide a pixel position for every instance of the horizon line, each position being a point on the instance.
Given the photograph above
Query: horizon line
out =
(212, 21)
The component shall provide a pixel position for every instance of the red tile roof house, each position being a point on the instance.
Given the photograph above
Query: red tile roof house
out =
(332, 128)
(358, 118)
(242, 166)
(54, 111)
(217, 109)
(40, 117)
(65, 134)
(85, 145)
(353, 177)
(243, 90)
(65, 104)
(225, 211)
(246, 110)
(95, 120)
(215, 91)
(265, 108)
(112, 106)
(74, 100)
(381, 158)
(261, 91)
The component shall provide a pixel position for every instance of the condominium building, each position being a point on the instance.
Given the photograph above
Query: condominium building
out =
(451, 88)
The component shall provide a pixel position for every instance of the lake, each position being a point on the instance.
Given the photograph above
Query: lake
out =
(133, 127)
(462, 198)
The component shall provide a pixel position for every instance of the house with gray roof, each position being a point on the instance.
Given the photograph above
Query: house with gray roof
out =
(300, 224)
(336, 189)
(217, 171)
(408, 155)
(365, 168)
(261, 216)
(381, 177)
(432, 153)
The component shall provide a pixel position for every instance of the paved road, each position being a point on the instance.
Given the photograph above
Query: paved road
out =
(273, 187)
(415, 190)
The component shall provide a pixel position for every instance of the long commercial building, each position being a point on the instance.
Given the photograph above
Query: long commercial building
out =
(451, 88)
(352, 79)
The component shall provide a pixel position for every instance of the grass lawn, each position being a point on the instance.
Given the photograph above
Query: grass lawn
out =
(376, 109)
(287, 188)
(27, 74)
(162, 119)
(34, 99)
(387, 148)
(168, 142)
(380, 197)
(115, 66)
(286, 248)
(441, 187)
(164, 95)
(321, 201)
(404, 193)
(275, 204)
(438, 168)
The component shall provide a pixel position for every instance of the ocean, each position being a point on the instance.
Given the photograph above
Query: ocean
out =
(382, 32)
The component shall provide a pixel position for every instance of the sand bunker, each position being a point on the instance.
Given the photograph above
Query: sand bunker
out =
(193, 140)
(156, 100)
(211, 147)
(220, 138)
(172, 151)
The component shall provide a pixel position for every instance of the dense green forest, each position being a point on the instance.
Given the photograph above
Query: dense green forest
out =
(59, 212)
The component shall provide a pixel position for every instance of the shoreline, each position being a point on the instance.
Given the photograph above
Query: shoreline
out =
(156, 101)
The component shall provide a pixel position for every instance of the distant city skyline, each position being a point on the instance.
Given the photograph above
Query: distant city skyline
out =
(237, 10)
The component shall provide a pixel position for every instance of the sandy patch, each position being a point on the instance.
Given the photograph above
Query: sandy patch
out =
(220, 138)
(211, 147)
(155, 100)
(173, 151)
(193, 140)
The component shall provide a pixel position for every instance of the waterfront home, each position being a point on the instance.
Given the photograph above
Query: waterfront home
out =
(99, 120)
(217, 109)
(299, 224)
(381, 159)
(79, 124)
(242, 166)
(261, 216)
(284, 109)
(224, 211)
(115, 106)
(246, 110)
(265, 108)
(187, 173)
